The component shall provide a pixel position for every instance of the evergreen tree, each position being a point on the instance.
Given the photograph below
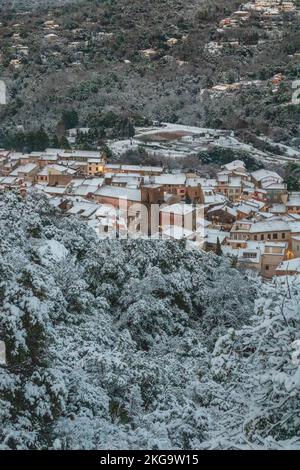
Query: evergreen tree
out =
(64, 143)
(70, 119)
(219, 248)
(188, 199)
(54, 141)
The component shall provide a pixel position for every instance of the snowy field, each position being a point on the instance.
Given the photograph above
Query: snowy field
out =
(178, 141)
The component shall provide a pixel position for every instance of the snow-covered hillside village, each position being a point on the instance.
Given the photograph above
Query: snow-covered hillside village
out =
(149, 230)
(249, 216)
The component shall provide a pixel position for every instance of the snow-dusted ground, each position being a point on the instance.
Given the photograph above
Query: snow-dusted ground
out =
(197, 139)
(286, 149)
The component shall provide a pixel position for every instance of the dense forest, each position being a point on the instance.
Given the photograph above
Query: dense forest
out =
(138, 344)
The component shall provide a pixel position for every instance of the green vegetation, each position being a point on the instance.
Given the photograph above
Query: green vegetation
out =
(292, 176)
(95, 68)
(25, 141)
(221, 156)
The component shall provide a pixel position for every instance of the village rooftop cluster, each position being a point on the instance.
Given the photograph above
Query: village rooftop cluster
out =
(248, 216)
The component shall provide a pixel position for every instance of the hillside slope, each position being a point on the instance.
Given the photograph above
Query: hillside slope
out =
(95, 63)
(95, 331)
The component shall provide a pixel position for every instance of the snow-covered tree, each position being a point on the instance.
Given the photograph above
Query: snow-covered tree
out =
(111, 344)
(259, 366)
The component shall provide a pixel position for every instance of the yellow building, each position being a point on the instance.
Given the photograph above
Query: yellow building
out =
(95, 166)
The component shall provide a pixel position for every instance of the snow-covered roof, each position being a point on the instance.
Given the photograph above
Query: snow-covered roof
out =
(178, 209)
(104, 210)
(210, 198)
(24, 169)
(264, 215)
(120, 193)
(77, 182)
(290, 265)
(85, 209)
(294, 225)
(8, 180)
(259, 175)
(81, 153)
(15, 155)
(48, 157)
(248, 184)
(84, 189)
(249, 206)
(202, 223)
(171, 179)
(193, 181)
(208, 182)
(217, 208)
(231, 210)
(96, 181)
(278, 208)
(60, 168)
(52, 189)
(212, 236)
(294, 200)
(270, 225)
(246, 208)
(236, 164)
(137, 168)
(124, 179)
(113, 166)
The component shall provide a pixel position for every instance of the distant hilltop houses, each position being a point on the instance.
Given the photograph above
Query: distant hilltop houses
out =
(267, 8)
(247, 216)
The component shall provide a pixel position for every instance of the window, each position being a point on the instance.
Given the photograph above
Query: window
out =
(283, 235)
(96, 168)
(267, 267)
(262, 237)
(255, 237)
(275, 236)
